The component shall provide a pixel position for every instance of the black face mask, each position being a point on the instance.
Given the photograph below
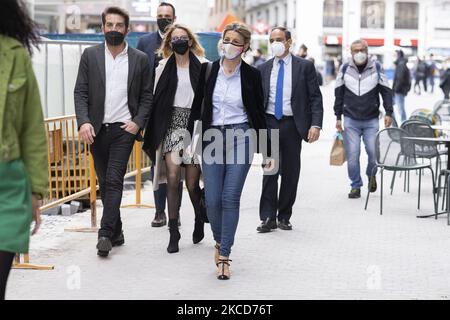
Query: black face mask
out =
(180, 46)
(163, 24)
(114, 38)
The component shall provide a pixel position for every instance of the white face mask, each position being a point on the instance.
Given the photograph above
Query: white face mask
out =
(360, 58)
(231, 51)
(278, 48)
(220, 49)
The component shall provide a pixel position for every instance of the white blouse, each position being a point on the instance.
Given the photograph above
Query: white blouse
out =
(184, 96)
(228, 107)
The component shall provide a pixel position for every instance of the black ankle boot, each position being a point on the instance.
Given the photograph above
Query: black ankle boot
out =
(174, 236)
(198, 234)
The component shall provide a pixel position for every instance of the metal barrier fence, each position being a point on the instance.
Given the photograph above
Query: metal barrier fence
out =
(71, 174)
(56, 67)
(68, 161)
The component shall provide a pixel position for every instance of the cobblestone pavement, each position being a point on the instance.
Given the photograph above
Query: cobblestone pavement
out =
(336, 250)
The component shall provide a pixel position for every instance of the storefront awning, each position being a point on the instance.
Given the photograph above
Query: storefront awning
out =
(229, 18)
(373, 42)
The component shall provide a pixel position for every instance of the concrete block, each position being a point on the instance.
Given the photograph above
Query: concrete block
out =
(65, 210)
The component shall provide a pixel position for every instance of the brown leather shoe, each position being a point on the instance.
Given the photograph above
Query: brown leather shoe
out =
(160, 219)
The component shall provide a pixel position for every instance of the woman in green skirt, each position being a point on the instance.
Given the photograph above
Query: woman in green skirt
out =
(23, 143)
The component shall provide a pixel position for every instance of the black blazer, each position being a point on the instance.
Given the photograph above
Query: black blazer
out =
(148, 44)
(252, 96)
(89, 90)
(306, 100)
(164, 96)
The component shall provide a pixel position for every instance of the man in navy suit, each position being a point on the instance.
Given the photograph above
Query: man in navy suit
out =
(293, 105)
(149, 44)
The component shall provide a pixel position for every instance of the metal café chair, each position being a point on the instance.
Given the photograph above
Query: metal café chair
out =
(390, 147)
(424, 150)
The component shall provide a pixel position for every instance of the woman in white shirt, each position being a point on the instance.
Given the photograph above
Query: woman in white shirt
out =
(230, 105)
(176, 79)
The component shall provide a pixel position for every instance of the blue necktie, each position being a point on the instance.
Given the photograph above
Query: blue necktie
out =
(279, 93)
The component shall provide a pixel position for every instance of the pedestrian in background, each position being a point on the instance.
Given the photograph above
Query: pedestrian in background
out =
(258, 58)
(431, 72)
(401, 85)
(318, 73)
(445, 80)
(23, 142)
(113, 97)
(233, 103)
(293, 105)
(150, 44)
(359, 85)
(176, 81)
(420, 76)
(303, 51)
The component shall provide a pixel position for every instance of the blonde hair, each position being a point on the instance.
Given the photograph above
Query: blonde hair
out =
(166, 51)
(242, 29)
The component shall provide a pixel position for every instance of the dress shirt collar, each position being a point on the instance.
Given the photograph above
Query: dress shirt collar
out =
(236, 72)
(287, 60)
(123, 53)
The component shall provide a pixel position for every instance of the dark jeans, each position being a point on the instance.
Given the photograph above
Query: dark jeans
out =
(289, 169)
(223, 188)
(417, 84)
(446, 93)
(111, 151)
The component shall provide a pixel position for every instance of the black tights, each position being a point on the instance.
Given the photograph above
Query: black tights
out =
(6, 259)
(173, 173)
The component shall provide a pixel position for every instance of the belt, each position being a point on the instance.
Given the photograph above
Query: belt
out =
(229, 126)
(112, 124)
(282, 118)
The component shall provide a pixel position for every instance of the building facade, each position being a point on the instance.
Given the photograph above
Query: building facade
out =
(328, 27)
(219, 10)
(81, 16)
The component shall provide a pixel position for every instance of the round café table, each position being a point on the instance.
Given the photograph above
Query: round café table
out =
(438, 140)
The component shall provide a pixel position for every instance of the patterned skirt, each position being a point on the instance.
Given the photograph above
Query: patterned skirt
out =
(174, 139)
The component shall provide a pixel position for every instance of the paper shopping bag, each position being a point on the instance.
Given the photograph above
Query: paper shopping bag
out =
(337, 156)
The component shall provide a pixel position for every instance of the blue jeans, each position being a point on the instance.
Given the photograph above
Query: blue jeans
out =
(223, 188)
(354, 130)
(400, 108)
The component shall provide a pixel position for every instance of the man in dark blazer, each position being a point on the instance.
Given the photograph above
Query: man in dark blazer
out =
(149, 44)
(293, 104)
(113, 97)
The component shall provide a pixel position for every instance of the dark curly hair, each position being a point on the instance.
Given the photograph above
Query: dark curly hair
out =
(16, 23)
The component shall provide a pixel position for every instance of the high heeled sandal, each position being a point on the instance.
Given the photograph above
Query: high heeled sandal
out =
(216, 254)
(222, 275)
